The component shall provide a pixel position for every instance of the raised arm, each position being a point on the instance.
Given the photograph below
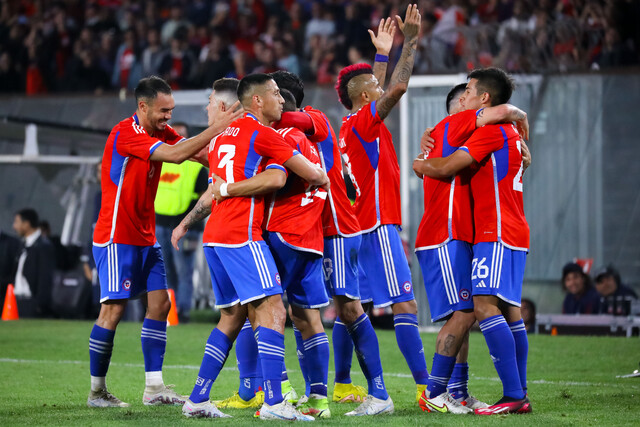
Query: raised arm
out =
(502, 114)
(443, 167)
(383, 43)
(400, 77)
(178, 153)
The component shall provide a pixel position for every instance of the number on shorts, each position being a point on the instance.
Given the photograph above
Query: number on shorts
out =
(478, 269)
(227, 152)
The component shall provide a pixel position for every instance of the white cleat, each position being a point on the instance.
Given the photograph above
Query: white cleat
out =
(301, 401)
(472, 403)
(103, 399)
(206, 409)
(443, 403)
(283, 411)
(162, 395)
(372, 406)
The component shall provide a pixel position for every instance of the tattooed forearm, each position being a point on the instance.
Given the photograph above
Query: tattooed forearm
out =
(380, 71)
(201, 210)
(399, 79)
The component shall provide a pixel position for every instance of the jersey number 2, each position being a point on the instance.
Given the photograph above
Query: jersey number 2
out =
(227, 152)
(517, 180)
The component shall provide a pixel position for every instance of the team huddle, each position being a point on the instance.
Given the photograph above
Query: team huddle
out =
(280, 223)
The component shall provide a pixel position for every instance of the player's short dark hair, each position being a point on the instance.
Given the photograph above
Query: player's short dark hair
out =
(454, 94)
(249, 83)
(226, 84)
(30, 215)
(291, 82)
(290, 103)
(496, 82)
(345, 76)
(149, 87)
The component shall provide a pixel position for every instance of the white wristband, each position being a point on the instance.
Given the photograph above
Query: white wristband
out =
(223, 190)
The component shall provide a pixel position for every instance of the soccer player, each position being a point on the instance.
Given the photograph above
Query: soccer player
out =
(368, 151)
(501, 235)
(244, 276)
(444, 250)
(341, 245)
(127, 255)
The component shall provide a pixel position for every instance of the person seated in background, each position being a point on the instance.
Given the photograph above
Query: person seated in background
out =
(615, 298)
(581, 297)
(528, 309)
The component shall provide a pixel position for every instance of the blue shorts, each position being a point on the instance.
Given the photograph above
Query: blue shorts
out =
(384, 272)
(242, 275)
(447, 278)
(126, 271)
(498, 270)
(341, 267)
(301, 274)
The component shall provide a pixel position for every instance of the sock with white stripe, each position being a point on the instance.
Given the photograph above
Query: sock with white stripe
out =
(248, 362)
(458, 383)
(441, 370)
(100, 348)
(522, 350)
(368, 353)
(502, 349)
(316, 352)
(342, 352)
(302, 360)
(215, 354)
(271, 351)
(154, 343)
(410, 343)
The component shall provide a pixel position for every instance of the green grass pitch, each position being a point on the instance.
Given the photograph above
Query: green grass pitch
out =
(44, 379)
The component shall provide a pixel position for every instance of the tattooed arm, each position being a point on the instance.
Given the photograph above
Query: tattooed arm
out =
(400, 77)
(383, 43)
(200, 211)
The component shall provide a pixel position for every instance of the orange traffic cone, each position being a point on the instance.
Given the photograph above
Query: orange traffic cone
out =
(172, 318)
(554, 331)
(10, 309)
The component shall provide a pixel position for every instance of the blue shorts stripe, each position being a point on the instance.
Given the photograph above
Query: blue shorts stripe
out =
(498, 271)
(389, 268)
(446, 276)
(452, 281)
(255, 251)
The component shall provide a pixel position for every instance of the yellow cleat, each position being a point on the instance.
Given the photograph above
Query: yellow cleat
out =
(343, 393)
(421, 388)
(288, 393)
(236, 402)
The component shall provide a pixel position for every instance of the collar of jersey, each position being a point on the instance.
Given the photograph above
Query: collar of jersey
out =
(253, 117)
(135, 117)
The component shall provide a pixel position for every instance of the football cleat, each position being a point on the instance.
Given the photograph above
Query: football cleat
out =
(420, 388)
(442, 403)
(348, 393)
(316, 405)
(301, 401)
(288, 393)
(162, 395)
(103, 399)
(372, 406)
(283, 411)
(509, 407)
(471, 402)
(206, 409)
(236, 402)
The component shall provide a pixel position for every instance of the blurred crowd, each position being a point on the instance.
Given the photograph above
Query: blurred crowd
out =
(106, 45)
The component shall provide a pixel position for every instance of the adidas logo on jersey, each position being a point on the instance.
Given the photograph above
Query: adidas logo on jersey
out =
(481, 284)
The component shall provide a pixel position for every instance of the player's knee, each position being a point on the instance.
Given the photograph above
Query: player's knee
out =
(110, 315)
(350, 311)
(408, 307)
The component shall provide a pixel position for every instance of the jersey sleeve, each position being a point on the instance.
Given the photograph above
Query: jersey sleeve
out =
(461, 127)
(483, 142)
(135, 141)
(320, 127)
(366, 122)
(272, 145)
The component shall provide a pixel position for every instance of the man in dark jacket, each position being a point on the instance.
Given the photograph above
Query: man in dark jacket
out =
(35, 265)
(615, 298)
(9, 250)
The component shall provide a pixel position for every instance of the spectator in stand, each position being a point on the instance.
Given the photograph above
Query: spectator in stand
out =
(175, 21)
(215, 61)
(615, 298)
(581, 297)
(528, 310)
(10, 81)
(285, 58)
(152, 54)
(178, 64)
(127, 71)
(34, 271)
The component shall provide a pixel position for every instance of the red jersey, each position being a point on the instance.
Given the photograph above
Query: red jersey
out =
(496, 187)
(129, 184)
(295, 211)
(371, 161)
(447, 203)
(243, 150)
(339, 216)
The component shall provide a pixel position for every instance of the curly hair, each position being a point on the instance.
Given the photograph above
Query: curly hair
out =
(345, 76)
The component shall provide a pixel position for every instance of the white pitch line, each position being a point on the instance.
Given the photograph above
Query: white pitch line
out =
(234, 369)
